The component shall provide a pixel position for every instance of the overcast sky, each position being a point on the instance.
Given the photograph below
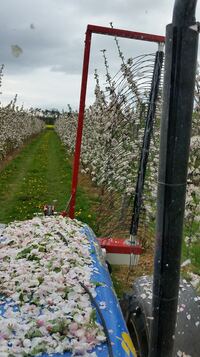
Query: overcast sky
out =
(42, 44)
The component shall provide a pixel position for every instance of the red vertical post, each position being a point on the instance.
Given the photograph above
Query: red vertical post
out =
(80, 123)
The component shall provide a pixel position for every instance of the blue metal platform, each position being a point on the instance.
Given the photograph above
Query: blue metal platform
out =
(107, 302)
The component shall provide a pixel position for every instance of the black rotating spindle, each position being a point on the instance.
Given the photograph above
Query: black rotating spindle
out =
(149, 122)
(179, 80)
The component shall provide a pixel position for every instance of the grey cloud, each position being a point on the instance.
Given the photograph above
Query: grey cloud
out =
(51, 33)
(59, 26)
(40, 49)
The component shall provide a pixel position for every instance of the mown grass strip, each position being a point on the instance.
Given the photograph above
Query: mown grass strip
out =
(41, 174)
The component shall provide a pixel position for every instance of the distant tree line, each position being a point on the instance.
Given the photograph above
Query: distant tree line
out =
(48, 115)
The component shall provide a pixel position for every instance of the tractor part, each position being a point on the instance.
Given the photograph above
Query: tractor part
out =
(98, 288)
(120, 251)
(180, 70)
(137, 310)
(162, 336)
(151, 309)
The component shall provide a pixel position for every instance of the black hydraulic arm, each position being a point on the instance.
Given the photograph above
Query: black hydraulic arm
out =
(179, 80)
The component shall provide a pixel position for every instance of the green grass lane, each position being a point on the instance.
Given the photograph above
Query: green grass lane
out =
(40, 174)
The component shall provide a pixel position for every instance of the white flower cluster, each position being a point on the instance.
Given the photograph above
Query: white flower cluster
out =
(67, 130)
(16, 126)
(45, 308)
(192, 213)
(112, 139)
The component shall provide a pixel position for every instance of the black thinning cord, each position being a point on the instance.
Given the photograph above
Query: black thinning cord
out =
(110, 351)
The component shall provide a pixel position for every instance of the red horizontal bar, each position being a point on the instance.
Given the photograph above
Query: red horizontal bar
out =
(125, 33)
(119, 246)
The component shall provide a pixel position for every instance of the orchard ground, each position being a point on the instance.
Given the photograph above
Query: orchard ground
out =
(40, 173)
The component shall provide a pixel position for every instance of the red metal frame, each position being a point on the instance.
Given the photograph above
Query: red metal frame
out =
(103, 31)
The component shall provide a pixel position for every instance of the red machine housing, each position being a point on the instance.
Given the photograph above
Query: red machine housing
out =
(119, 246)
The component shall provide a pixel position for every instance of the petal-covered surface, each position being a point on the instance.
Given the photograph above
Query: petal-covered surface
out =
(45, 310)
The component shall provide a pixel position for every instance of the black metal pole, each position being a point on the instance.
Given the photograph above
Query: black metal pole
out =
(180, 69)
(149, 122)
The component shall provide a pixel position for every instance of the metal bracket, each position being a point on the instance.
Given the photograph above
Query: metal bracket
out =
(195, 27)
